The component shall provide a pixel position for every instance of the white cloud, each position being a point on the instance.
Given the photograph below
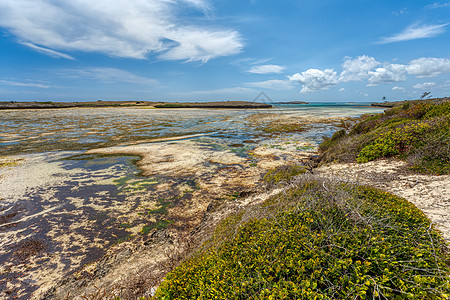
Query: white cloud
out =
(203, 45)
(202, 4)
(120, 28)
(415, 32)
(272, 84)
(49, 52)
(357, 69)
(341, 90)
(387, 74)
(24, 84)
(428, 67)
(109, 75)
(314, 80)
(362, 94)
(438, 5)
(400, 12)
(365, 67)
(398, 88)
(424, 85)
(267, 69)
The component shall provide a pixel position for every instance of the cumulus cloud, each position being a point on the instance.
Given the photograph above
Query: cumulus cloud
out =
(365, 67)
(272, 84)
(398, 88)
(314, 79)
(357, 69)
(388, 74)
(121, 28)
(424, 85)
(341, 90)
(415, 32)
(267, 69)
(428, 67)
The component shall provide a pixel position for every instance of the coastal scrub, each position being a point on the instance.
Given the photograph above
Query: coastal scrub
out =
(318, 240)
(417, 131)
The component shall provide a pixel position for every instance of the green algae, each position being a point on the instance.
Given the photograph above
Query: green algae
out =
(158, 225)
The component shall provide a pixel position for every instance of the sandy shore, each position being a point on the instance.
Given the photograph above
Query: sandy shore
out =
(429, 193)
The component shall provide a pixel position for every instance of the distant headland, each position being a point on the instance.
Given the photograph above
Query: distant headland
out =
(100, 103)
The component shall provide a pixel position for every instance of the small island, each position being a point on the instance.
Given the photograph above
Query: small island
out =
(223, 104)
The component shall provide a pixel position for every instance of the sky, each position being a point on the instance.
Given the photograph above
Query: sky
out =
(218, 50)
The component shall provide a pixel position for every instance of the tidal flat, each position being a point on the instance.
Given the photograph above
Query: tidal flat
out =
(78, 183)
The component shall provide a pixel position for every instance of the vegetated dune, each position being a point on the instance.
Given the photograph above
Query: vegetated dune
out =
(333, 239)
(318, 238)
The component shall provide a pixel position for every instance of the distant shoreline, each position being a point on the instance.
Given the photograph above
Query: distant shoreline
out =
(292, 102)
(4, 105)
(391, 104)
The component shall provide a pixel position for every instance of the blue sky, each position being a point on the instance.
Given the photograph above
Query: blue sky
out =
(205, 50)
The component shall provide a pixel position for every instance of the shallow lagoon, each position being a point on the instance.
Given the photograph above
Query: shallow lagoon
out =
(62, 207)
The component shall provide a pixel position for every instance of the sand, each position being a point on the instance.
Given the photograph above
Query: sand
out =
(429, 193)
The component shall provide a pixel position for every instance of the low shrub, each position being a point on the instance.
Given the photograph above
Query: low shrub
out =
(438, 111)
(417, 131)
(433, 155)
(318, 240)
(394, 142)
(329, 142)
(283, 174)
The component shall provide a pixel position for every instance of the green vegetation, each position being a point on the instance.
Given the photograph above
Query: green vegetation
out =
(162, 209)
(124, 239)
(277, 128)
(417, 131)
(159, 225)
(6, 162)
(283, 174)
(318, 240)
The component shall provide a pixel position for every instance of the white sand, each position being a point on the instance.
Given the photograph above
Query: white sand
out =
(429, 193)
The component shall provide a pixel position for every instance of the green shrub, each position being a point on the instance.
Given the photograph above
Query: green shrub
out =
(417, 131)
(283, 174)
(393, 142)
(318, 240)
(329, 142)
(438, 111)
(433, 154)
